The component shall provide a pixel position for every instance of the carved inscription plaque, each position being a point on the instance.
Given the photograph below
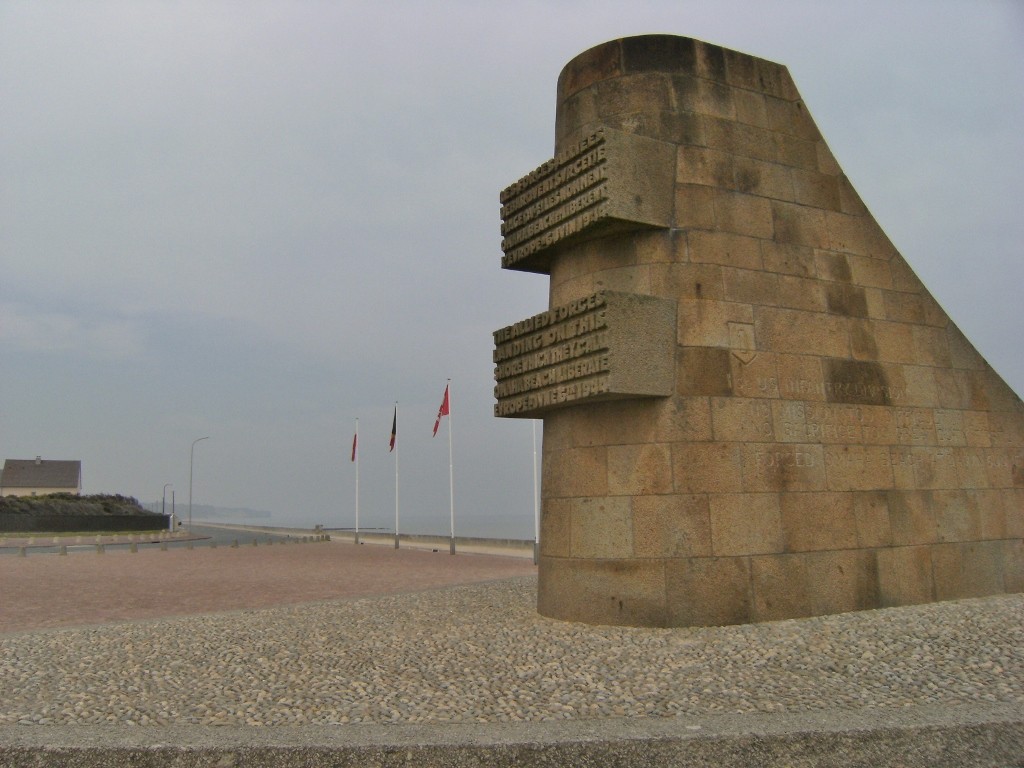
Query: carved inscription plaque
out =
(611, 181)
(604, 346)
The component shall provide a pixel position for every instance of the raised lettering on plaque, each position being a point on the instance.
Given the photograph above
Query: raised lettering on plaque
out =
(609, 182)
(602, 347)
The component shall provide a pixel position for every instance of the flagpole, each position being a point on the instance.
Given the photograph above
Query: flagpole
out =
(395, 437)
(451, 475)
(536, 504)
(355, 455)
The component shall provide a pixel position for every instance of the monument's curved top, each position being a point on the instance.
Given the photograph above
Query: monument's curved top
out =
(657, 76)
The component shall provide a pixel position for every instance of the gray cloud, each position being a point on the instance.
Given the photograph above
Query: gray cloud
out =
(259, 221)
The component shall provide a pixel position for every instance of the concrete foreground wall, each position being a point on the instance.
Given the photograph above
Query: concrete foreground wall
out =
(824, 439)
(967, 737)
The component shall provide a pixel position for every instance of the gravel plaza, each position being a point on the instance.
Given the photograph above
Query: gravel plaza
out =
(371, 636)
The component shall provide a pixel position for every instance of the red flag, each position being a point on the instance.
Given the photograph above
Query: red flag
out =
(394, 430)
(355, 437)
(444, 410)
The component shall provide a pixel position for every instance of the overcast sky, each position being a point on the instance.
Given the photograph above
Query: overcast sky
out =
(259, 221)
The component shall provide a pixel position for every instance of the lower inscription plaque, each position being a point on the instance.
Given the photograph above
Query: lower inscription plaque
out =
(604, 346)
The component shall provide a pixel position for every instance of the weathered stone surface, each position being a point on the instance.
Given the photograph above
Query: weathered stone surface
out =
(821, 437)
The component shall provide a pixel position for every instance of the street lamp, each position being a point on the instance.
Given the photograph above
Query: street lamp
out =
(191, 456)
(163, 505)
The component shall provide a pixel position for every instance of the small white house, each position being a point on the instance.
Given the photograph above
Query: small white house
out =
(39, 476)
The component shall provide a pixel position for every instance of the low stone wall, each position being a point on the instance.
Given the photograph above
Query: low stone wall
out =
(373, 535)
(960, 737)
(442, 542)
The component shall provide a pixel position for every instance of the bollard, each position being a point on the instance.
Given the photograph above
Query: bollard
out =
(63, 549)
(234, 543)
(163, 546)
(134, 547)
(22, 551)
(188, 545)
(100, 549)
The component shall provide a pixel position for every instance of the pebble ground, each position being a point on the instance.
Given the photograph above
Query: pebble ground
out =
(480, 653)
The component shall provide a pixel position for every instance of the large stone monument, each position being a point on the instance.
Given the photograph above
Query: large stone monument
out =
(753, 409)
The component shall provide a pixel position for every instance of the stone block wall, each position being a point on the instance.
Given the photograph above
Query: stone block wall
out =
(831, 440)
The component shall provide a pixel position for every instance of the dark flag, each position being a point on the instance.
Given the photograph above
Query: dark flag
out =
(394, 430)
(444, 410)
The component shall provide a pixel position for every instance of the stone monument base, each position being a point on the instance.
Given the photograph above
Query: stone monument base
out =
(753, 408)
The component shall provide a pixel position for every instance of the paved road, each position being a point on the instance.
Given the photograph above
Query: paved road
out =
(224, 537)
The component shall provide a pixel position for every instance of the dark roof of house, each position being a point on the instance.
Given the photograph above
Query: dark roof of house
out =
(41, 473)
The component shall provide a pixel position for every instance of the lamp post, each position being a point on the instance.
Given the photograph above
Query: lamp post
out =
(163, 506)
(191, 456)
